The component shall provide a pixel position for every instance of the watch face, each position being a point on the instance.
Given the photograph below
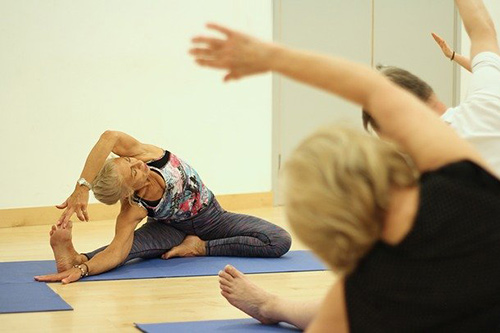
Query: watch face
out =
(84, 182)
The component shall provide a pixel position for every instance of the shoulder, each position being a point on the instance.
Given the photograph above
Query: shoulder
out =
(465, 172)
(150, 153)
(447, 116)
(132, 210)
(160, 161)
(485, 76)
(486, 59)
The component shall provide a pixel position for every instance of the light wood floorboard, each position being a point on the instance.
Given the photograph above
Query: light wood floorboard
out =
(111, 306)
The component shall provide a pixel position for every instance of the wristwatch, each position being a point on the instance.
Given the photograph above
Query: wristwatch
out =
(84, 182)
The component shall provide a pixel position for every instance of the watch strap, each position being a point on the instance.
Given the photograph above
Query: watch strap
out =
(84, 182)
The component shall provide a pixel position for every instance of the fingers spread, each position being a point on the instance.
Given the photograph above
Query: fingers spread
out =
(211, 63)
(62, 218)
(80, 216)
(201, 52)
(63, 205)
(232, 76)
(220, 28)
(214, 43)
(65, 216)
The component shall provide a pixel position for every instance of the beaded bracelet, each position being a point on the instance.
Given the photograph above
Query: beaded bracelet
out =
(83, 273)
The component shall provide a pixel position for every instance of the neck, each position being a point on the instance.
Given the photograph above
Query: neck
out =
(153, 188)
(437, 106)
(441, 108)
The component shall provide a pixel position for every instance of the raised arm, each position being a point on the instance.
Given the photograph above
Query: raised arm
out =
(479, 26)
(452, 55)
(119, 143)
(401, 116)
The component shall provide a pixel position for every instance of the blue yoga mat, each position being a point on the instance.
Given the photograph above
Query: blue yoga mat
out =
(30, 297)
(233, 325)
(20, 293)
(24, 271)
(294, 261)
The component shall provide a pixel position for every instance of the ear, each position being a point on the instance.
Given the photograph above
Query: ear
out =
(436, 105)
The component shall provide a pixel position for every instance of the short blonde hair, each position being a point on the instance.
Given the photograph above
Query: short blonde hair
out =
(337, 186)
(108, 186)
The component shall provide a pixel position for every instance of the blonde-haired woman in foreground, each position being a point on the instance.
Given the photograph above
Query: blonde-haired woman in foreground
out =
(415, 238)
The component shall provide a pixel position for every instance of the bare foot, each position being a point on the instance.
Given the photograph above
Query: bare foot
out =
(64, 252)
(246, 296)
(191, 246)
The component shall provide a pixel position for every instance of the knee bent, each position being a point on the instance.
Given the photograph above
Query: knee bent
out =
(282, 244)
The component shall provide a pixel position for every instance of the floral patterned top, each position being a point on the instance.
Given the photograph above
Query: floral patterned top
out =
(185, 194)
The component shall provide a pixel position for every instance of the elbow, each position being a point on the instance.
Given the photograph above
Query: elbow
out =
(110, 139)
(109, 135)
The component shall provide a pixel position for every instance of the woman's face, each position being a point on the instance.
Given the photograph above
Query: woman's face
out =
(134, 172)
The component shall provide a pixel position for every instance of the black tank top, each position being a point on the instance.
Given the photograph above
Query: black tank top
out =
(445, 274)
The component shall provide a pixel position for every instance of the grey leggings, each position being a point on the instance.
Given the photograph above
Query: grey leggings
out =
(225, 233)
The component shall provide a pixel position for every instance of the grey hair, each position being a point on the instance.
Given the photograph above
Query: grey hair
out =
(108, 186)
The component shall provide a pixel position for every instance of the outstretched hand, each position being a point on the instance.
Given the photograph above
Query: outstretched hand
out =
(240, 54)
(447, 51)
(71, 275)
(76, 203)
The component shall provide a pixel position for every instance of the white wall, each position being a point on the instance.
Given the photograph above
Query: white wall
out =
(494, 11)
(71, 69)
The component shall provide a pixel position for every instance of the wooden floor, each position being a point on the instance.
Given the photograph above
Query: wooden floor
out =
(110, 306)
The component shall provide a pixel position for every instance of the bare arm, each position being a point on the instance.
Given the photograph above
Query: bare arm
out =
(332, 315)
(119, 248)
(401, 116)
(128, 219)
(122, 145)
(119, 143)
(479, 26)
(452, 55)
